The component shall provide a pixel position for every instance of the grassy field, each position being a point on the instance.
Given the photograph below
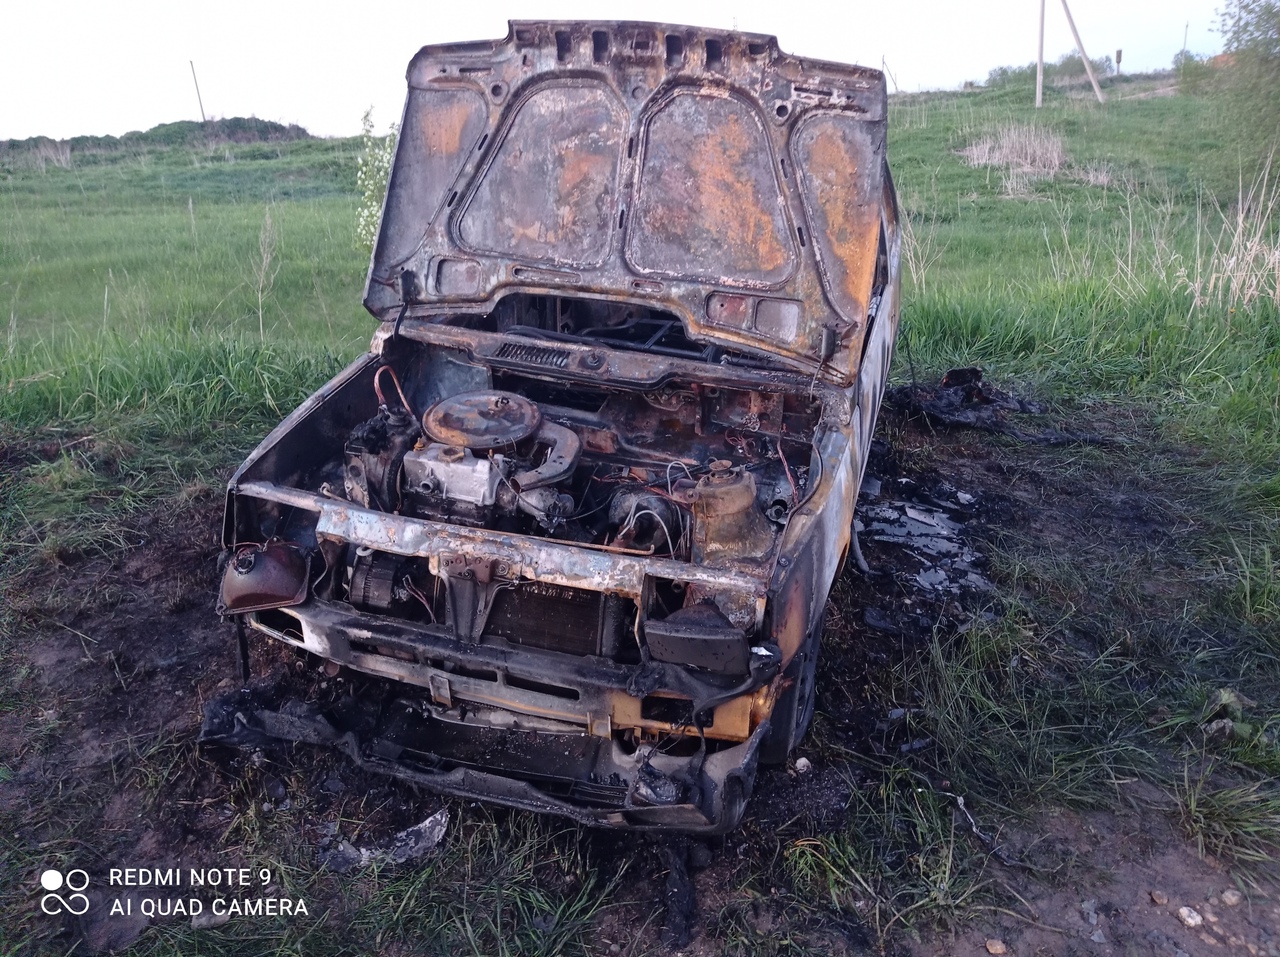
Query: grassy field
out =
(167, 305)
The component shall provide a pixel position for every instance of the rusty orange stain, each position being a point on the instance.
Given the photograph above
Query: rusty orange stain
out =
(708, 197)
(850, 225)
(441, 129)
(549, 194)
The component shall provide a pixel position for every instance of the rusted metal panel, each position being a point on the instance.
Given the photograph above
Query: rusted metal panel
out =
(586, 363)
(814, 542)
(668, 179)
(565, 563)
(550, 191)
(880, 338)
(440, 129)
(708, 205)
(840, 160)
(500, 679)
(705, 793)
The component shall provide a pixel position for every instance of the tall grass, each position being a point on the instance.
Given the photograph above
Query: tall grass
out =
(178, 379)
(264, 268)
(1027, 149)
(1238, 266)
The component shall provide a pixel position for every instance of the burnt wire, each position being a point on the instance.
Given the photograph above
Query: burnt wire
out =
(395, 330)
(631, 522)
(377, 388)
(795, 493)
(409, 587)
(586, 492)
(686, 472)
(408, 284)
(579, 515)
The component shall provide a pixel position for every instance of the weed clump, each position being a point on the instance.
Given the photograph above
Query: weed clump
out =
(1235, 820)
(373, 169)
(1025, 152)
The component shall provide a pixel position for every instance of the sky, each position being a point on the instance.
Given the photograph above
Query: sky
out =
(90, 67)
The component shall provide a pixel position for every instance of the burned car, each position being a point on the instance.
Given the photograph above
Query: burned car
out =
(583, 501)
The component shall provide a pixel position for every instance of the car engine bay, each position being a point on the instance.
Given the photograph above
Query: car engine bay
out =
(697, 474)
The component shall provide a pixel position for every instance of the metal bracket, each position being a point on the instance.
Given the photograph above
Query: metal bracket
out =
(441, 694)
(600, 725)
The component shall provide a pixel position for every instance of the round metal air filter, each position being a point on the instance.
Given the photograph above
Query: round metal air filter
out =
(482, 420)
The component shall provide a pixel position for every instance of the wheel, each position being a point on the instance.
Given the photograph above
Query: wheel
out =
(793, 713)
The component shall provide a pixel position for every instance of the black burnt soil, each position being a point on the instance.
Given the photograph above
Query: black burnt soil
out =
(130, 649)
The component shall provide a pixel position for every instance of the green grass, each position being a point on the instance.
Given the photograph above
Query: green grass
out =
(1086, 682)
(171, 236)
(900, 856)
(138, 418)
(1076, 285)
(1238, 821)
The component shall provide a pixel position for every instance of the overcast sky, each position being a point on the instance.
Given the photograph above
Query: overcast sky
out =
(88, 66)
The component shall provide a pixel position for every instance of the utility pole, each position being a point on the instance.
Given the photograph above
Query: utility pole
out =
(201, 101)
(1088, 67)
(1040, 62)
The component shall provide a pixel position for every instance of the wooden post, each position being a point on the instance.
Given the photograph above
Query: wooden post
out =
(1088, 67)
(197, 83)
(1040, 62)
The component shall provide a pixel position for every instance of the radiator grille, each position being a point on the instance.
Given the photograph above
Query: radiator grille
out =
(553, 617)
(537, 355)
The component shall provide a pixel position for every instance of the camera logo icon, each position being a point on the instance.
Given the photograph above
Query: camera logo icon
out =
(74, 880)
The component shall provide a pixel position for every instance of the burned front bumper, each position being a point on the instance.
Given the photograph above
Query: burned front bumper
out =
(649, 744)
(527, 729)
(583, 777)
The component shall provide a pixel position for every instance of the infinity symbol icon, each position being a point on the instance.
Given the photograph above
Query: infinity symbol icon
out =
(77, 904)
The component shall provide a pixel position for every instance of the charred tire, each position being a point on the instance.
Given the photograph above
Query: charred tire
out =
(793, 713)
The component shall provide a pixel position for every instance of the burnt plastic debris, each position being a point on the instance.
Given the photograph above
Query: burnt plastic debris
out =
(963, 398)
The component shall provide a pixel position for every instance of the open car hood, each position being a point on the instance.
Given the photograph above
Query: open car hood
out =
(701, 172)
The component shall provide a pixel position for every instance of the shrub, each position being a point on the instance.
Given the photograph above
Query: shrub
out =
(1251, 79)
(1068, 70)
(1193, 72)
(373, 168)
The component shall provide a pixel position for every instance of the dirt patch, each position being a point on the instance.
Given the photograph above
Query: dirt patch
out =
(1124, 877)
(128, 638)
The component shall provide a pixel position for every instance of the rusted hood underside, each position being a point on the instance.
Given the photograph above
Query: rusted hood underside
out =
(701, 172)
